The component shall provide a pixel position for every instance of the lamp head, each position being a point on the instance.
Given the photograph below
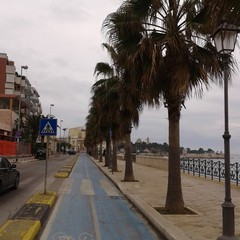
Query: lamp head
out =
(225, 38)
(24, 67)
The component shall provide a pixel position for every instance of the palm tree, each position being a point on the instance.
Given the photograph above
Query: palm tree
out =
(129, 101)
(31, 129)
(171, 58)
(92, 131)
(106, 98)
(215, 11)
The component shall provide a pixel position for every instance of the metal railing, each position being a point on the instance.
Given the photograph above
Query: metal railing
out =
(210, 169)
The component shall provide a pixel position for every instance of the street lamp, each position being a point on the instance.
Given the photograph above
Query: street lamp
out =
(19, 111)
(50, 112)
(64, 130)
(60, 129)
(225, 38)
(60, 136)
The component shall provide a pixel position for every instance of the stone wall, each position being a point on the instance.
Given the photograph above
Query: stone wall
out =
(148, 160)
(162, 162)
(153, 161)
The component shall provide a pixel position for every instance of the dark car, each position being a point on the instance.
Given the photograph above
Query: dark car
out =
(41, 154)
(71, 152)
(9, 175)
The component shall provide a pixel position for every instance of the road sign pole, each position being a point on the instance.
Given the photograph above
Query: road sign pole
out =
(46, 166)
(48, 127)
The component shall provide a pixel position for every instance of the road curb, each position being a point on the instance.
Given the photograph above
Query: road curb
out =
(65, 171)
(166, 228)
(19, 229)
(159, 222)
(28, 220)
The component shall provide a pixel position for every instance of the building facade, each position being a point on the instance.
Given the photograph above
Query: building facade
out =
(16, 96)
(76, 138)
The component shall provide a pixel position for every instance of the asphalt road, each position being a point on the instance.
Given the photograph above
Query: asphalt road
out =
(31, 181)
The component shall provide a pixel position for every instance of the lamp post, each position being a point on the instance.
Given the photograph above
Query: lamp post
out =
(19, 111)
(64, 130)
(60, 135)
(50, 112)
(225, 38)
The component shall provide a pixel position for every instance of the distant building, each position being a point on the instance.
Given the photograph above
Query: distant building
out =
(13, 87)
(138, 140)
(76, 138)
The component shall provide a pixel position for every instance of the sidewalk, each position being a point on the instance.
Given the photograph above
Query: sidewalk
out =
(22, 159)
(203, 196)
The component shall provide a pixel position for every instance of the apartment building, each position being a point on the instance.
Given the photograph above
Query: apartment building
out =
(14, 89)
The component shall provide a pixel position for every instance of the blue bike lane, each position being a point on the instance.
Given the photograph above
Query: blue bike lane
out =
(90, 207)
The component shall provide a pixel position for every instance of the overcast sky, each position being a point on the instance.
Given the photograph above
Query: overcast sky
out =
(60, 42)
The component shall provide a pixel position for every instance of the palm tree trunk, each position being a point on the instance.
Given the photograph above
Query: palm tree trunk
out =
(114, 156)
(129, 176)
(94, 153)
(108, 152)
(100, 153)
(174, 201)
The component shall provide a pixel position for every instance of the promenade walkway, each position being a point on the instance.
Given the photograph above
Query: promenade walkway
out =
(201, 195)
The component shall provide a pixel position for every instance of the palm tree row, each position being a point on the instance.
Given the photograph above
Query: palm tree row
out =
(116, 110)
(162, 54)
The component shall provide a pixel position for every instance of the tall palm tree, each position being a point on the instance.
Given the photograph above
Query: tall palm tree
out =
(106, 97)
(130, 104)
(31, 129)
(92, 131)
(216, 10)
(171, 58)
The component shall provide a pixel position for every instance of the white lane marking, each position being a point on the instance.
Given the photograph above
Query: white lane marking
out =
(66, 187)
(86, 187)
(108, 188)
(95, 219)
(94, 211)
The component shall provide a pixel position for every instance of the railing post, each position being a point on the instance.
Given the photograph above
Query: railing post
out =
(219, 170)
(237, 172)
(212, 169)
(193, 167)
(199, 167)
(205, 168)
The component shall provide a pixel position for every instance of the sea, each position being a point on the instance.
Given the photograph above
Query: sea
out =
(233, 158)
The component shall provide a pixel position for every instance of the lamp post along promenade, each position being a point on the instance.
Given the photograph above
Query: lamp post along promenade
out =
(225, 39)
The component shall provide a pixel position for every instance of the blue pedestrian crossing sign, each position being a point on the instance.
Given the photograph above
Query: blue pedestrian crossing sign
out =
(48, 127)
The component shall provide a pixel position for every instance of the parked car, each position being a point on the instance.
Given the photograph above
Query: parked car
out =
(41, 154)
(71, 152)
(9, 175)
